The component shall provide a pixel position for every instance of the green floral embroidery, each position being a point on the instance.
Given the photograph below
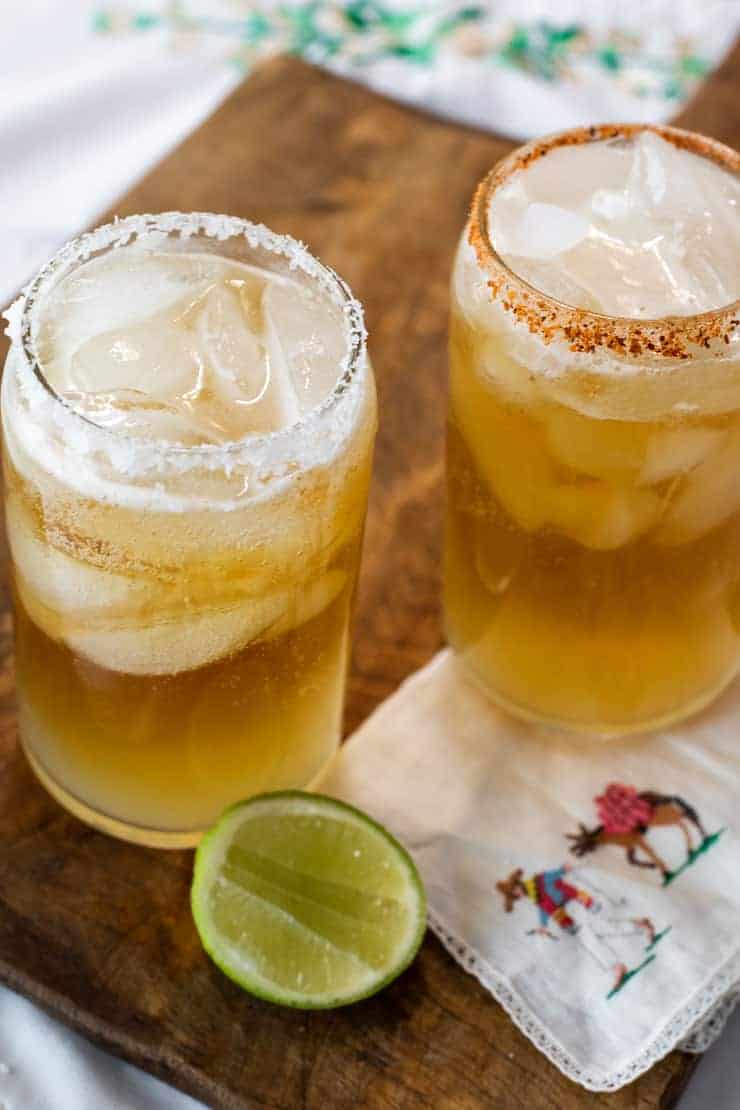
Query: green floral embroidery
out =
(362, 32)
(541, 49)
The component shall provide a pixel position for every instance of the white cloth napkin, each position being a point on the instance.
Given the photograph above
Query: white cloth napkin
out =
(605, 963)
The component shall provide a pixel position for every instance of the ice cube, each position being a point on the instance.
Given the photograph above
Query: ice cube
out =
(237, 393)
(135, 414)
(228, 344)
(111, 294)
(139, 625)
(306, 343)
(648, 181)
(558, 179)
(609, 449)
(627, 278)
(308, 601)
(611, 204)
(602, 517)
(670, 184)
(707, 385)
(509, 455)
(546, 230)
(709, 497)
(59, 588)
(709, 286)
(170, 646)
(492, 363)
(148, 360)
(189, 347)
(673, 451)
(539, 231)
(167, 644)
(643, 230)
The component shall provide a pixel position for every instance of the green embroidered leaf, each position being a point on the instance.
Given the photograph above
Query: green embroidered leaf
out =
(630, 975)
(693, 855)
(609, 58)
(256, 28)
(357, 16)
(102, 22)
(673, 90)
(143, 21)
(452, 22)
(517, 45)
(363, 15)
(562, 34)
(694, 66)
(398, 21)
(422, 53)
(306, 37)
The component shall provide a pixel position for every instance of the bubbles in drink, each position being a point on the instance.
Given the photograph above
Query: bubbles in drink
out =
(634, 228)
(189, 348)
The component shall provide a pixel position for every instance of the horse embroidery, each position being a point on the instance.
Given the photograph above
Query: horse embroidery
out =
(625, 817)
(552, 893)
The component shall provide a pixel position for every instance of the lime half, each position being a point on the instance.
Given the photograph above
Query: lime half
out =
(305, 901)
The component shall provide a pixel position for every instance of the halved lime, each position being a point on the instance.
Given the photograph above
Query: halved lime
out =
(305, 901)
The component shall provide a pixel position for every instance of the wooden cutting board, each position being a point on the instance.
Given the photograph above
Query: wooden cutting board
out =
(99, 932)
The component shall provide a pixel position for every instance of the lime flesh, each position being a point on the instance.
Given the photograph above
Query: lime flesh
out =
(305, 901)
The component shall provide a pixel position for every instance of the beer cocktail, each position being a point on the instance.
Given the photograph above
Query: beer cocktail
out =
(188, 417)
(593, 536)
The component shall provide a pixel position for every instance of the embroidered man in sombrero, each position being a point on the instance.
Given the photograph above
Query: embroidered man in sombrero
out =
(551, 893)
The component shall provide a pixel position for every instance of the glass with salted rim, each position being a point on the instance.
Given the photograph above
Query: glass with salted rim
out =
(593, 529)
(182, 612)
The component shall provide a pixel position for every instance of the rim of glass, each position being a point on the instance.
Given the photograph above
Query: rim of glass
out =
(585, 329)
(119, 233)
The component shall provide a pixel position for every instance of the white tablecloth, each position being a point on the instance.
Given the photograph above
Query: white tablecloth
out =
(44, 1066)
(92, 95)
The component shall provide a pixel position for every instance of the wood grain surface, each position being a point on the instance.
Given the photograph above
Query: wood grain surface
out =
(99, 932)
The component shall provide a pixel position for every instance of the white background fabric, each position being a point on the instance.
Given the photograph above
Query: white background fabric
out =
(44, 1066)
(81, 117)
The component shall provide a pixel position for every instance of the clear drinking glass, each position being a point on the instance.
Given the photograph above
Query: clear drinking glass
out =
(182, 611)
(593, 531)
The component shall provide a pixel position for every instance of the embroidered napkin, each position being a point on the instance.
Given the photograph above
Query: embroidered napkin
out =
(593, 887)
(518, 66)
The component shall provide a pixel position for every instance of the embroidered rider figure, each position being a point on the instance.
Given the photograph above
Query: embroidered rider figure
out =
(551, 893)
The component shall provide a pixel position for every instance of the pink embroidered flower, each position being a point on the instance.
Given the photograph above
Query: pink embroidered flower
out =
(621, 809)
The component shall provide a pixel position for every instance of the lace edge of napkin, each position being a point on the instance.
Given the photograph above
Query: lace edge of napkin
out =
(707, 998)
(710, 1027)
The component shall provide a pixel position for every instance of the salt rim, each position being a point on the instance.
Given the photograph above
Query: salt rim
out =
(580, 331)
(142, 456)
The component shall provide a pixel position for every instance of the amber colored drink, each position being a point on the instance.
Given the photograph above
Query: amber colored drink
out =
(593, 535)
(188, 436)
